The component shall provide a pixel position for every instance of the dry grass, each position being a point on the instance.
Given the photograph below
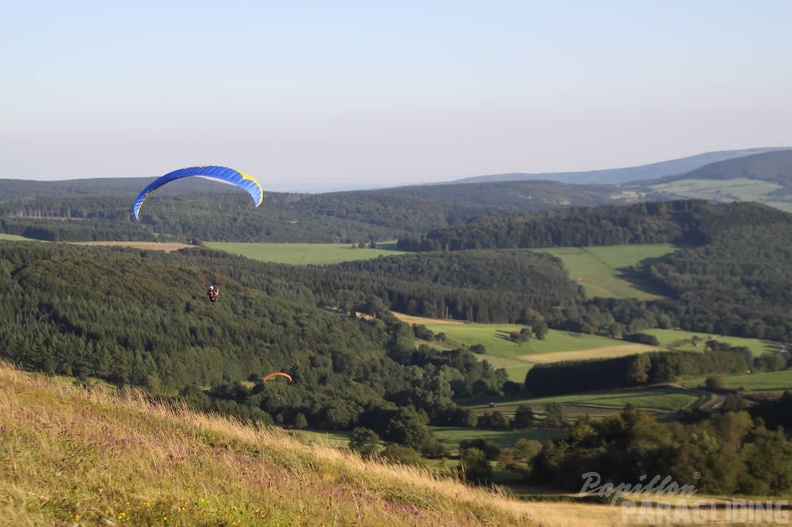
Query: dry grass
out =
(76, 457)
(608, 352)
(149, 246)
(409, 319)
(72, 456)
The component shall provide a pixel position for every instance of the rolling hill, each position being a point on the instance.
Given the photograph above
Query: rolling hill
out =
(618, 176)
(180, 210)
(764, 178)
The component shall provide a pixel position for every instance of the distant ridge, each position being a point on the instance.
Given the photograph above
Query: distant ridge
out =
(617, 176)
(774, 166)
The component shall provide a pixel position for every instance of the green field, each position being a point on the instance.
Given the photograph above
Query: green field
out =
(775, 381)
(516, 358)
(305, 253)
(516, 369)
(660, 400)
(602, 270)
(740, 189)
(338, 439)
(495, 339)
(452, 436)
(15, 238)
(782, 205)
(683, 341)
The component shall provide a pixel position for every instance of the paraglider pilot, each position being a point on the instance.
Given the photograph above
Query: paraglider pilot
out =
(213, 293)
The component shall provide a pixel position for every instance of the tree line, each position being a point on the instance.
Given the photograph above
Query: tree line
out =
(731, 451)
(634, 370)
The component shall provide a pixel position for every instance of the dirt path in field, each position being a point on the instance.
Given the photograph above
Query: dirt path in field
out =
(607, 352)
(420, 320)
(148, 246)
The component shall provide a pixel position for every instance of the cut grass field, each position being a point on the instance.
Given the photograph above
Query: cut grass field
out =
(516, 358)
(451, 436)
(14, 238)
(288, 253)
(495, 338)
(775, 381)
(148, 246)
(601, 270)
(659, 400)
(782, 205)
(305, 253)
(558, 346)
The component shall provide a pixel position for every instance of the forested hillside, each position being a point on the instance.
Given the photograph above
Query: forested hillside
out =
(691, 222)
(140, 318)
(507, 195)
(23, 190)
(205, 210)
(733, 278)
(773, 166)
(198, 209)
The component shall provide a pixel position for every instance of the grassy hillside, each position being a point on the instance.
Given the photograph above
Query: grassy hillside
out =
(603, 271)
(14, 237)
(763, 177)
(84, 457)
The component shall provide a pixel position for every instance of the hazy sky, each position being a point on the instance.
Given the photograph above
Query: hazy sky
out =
(312, 96)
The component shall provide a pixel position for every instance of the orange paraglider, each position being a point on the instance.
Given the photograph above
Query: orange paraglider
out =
(276, 374)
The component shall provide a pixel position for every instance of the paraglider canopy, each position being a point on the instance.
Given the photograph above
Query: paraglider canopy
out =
(229, 175)
(276, 374)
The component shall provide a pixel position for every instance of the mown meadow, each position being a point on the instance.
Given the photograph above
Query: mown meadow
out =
(603, 270)
(772, 381)
(517, 358)
(305, 253)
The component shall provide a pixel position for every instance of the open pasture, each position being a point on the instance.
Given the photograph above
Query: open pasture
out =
(451, 436)
(602, 270)
(148, 246)
(684, 341)
(304, 253)
(14, 238)
(774, 381)
(609, 352)
(659, 400)
(517, 358)
(739, 189)
(495, 338)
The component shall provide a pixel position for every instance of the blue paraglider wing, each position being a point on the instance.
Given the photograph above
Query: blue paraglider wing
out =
(230, 175)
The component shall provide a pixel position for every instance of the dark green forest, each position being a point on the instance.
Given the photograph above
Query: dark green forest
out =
(200, 209)
(640, 370)
(140, 318)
